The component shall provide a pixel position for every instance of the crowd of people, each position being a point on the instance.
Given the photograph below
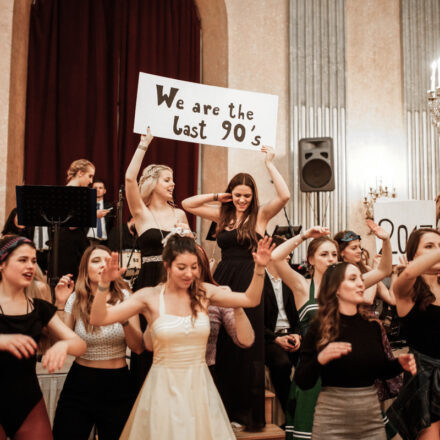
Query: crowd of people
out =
(200, 339)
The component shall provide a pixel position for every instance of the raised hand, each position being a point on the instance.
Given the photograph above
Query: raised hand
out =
(377, 230)
(334, 350)
(146, 138)
(264, 251)
(17, 344)
(55, 357)
(111, 271)
(317, 231)
(408, 363)
(270, 153)
(224, 197)
(63, 290)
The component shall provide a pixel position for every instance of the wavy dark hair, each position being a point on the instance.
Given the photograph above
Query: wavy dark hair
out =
(313, 248)
(422, 295)
(177, 245)
(328, 312)
(228, 214)
(343, 244)
(84, 298)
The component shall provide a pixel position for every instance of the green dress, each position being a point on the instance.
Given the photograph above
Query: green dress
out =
(301, 404)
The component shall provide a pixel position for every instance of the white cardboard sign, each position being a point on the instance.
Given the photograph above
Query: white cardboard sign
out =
(204, 114)
(400, 218)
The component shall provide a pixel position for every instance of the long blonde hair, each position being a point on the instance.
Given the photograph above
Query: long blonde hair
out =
(148, 180)
(78, 165)
(84, 298)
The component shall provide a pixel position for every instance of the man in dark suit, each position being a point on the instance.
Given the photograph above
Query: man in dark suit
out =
(282, 339)
(104, 216)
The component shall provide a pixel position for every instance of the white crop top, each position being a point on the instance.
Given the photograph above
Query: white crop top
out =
(107, 342)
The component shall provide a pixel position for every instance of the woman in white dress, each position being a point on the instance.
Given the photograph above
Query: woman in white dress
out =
(178, 399)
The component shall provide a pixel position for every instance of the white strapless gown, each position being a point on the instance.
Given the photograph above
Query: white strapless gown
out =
(178, 400)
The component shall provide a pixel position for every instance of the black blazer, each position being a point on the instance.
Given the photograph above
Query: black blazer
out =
(271, 310)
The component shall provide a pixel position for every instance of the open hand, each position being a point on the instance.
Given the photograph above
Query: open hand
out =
(17, 344)
(334, 350)
(317, 231)
(270, 153)
(63, 290)
(55, 357)
(224, 197)
(264, 251)
(408, 363)
(111, 271)
(378, 231)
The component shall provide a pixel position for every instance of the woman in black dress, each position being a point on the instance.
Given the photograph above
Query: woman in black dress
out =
(23, 413)
(416, 411)
(151, 204)
(241, 221)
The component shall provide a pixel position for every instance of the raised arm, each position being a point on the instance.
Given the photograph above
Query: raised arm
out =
(101, 314)
(251, 298)
(272, 208)
(134, 199)
(386, 262)
(133, 334)
(199, 205)
(403, 285)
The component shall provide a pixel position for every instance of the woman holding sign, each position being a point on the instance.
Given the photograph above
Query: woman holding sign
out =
(151, 204)
(241, 221)
(416, 411)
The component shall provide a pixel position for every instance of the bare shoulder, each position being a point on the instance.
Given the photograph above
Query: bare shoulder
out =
(148, 295)
(180, 215)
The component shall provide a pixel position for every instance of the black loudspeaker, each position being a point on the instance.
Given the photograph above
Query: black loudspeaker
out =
(316, 164)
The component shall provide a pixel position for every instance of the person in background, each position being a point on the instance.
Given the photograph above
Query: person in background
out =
(282, 332)
(104, 215)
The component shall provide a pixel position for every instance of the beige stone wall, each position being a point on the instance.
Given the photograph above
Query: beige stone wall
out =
(376, 139)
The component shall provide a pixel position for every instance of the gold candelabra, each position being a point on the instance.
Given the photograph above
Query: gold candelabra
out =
(381, 192)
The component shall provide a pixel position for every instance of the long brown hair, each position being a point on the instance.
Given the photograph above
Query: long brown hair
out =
(205, 271)
(313, 247)
(177, 245)
(328, 312)
(343, 244)
(228, 214)
(84, 298)
(422, 295)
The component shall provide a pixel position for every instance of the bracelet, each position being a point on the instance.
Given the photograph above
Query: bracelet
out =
(124, 324)
(303, 237)
(215, 197)
(60, 310)
(103, 288)
(143, 146)
(259, 274)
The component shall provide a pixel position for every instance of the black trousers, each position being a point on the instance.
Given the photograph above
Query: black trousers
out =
(93, 396)
(280, 362)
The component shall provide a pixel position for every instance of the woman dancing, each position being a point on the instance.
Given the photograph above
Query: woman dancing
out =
(23, 414)
(321, 253)
(241, 221)
(98, 389)
(416, 411)
(178, 399)
(151, 204)
(345, 350)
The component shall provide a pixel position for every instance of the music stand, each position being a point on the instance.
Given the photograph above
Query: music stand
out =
(55, 206)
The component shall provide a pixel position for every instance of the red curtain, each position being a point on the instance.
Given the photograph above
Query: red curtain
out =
(84, 61)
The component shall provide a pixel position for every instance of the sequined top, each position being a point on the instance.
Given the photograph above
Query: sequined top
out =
(106, 342)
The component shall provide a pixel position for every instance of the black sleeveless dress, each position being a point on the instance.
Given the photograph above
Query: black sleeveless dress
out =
(150, 245)
(238, 372)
